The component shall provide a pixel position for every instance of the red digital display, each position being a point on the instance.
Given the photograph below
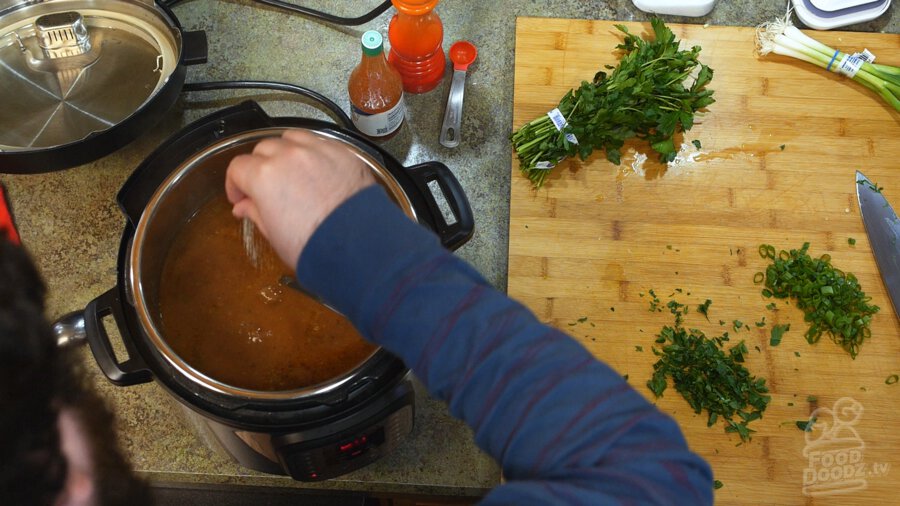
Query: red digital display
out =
(357, 443)
(352, 448)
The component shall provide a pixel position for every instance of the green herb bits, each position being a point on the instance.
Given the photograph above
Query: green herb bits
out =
(832, 300)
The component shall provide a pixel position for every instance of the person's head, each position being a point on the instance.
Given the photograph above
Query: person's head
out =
(57, 439)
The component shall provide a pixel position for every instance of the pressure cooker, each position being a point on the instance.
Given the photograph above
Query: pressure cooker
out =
(311, 433)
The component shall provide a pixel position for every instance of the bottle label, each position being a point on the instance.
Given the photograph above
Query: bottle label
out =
(379, 124)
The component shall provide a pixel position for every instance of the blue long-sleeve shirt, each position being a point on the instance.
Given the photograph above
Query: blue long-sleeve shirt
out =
(565, 428)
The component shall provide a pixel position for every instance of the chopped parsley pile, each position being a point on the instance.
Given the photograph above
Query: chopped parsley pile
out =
(709, 376)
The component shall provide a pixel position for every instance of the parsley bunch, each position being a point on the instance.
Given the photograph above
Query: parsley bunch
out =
(644, 96)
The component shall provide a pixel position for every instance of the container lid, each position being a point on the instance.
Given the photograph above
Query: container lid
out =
(823, 20)
(372, 42)
(836, 5)
(70, 68)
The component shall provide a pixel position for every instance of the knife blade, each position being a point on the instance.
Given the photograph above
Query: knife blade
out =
(883, 229)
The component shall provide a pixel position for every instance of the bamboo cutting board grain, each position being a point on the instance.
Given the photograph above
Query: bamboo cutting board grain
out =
(584, 248)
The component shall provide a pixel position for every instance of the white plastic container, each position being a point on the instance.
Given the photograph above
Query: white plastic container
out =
(830, 14)
(691, 8)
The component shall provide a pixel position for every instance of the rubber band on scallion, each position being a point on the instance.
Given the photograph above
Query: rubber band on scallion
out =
(833, 57)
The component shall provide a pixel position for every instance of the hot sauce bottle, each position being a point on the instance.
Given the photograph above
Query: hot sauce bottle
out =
(376, 91)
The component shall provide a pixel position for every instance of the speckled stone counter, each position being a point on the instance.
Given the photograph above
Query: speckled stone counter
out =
(71, 224)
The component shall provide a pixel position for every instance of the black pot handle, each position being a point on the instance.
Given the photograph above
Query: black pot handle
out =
(130, 372)
(195, 48)
(453, 228)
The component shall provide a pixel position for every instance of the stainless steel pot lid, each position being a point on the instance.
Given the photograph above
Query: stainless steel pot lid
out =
(70, 68)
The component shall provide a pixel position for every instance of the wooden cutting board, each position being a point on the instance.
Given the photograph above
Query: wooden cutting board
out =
(780, 148)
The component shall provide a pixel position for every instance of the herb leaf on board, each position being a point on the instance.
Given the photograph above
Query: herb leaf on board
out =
(777, 333)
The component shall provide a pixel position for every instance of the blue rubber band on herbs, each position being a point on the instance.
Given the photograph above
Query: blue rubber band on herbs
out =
(836, 51)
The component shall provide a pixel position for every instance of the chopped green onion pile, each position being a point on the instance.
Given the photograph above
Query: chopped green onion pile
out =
(833, 301)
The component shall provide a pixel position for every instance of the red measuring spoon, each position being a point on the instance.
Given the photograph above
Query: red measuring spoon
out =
(462, 54)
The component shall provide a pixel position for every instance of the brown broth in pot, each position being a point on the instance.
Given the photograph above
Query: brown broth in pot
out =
(236, 323)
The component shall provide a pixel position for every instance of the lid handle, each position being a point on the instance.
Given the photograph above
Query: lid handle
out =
(62, 34)
(195, 47)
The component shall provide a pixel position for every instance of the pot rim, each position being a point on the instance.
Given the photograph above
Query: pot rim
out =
(134, 270)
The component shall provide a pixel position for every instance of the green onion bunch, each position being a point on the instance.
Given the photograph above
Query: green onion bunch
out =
(781, 37)
(833, 301)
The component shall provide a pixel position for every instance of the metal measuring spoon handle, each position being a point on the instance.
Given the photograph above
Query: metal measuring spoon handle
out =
(453, 114)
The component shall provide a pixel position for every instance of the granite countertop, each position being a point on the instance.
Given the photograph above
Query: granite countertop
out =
(71, 224)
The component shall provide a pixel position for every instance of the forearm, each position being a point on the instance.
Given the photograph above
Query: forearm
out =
(562, 425)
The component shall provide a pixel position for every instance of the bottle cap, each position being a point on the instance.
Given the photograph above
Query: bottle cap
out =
(372, 43)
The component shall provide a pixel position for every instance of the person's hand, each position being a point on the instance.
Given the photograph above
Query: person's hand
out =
(289, 185)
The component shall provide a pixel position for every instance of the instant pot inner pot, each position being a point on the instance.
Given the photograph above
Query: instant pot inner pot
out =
(262, 336)
(183, 199)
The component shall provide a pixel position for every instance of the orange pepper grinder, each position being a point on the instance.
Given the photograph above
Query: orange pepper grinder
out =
(416, 34)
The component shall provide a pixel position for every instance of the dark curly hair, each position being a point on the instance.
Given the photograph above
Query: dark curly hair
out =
(37, 380)
(32, 468)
